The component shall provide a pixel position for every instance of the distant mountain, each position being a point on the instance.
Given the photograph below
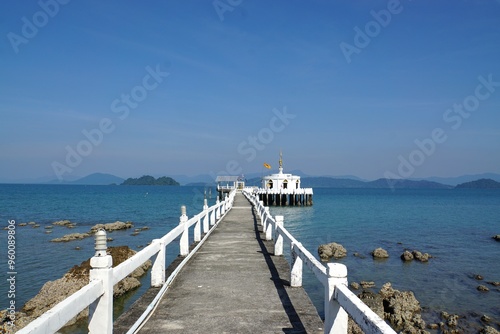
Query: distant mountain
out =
(406, 184)
(480, 184)
(453, 181)
(329, 182)
(98, 179)
(147, 180)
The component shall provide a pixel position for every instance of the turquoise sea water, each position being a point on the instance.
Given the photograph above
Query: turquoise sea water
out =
(455, 226)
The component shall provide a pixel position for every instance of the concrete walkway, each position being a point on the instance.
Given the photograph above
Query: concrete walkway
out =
(235, 285)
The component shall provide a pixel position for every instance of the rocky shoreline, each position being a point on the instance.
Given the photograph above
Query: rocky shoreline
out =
(53, 292)
(401, 309)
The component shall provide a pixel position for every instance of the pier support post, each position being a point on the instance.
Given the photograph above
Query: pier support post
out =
(335, 315)
(278, 243)
(184, 242)
(101, 311)
(158, 270)
(297, 266)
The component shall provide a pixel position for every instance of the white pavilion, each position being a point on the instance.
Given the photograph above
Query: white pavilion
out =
(284, 189)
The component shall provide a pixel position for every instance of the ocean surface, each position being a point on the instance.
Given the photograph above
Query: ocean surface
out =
(455, 226)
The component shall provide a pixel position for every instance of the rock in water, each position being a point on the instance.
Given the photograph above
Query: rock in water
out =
(407, 256)
(118, 225)
(489, 330)
(380, 253)
(70, 237)
(422, 257)
(332, 249)
(77, 277)
(402, 310)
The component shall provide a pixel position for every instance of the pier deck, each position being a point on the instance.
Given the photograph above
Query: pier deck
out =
(234, 284)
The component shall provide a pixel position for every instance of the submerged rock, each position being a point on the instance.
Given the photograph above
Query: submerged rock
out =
(380, 253)
(483, 288)
(63, 223)
(330, 250)
(77, 277)
(70, 237)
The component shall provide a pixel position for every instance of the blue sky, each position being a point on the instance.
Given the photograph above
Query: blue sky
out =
(367, 88)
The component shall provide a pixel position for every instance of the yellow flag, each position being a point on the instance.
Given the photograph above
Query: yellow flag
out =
(268, 166)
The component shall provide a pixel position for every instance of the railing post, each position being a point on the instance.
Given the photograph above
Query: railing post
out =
(297, 266)
(197, 230)
(335, 315)
(278, 243)
(158, 270)
(101, 311)
(217, 214)
(212, 217)
(184, 242)
(206, 219)
(263, 219)
(269, 230)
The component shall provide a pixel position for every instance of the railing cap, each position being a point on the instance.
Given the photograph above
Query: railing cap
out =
(337, 270)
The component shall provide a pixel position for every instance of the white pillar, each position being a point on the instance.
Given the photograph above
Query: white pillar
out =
(264, 218)
(184, 242)
(158, 270)
(269, 230)
(212, 217)
(335, 315)
(297, 266)
(101, 311)
(278, 243)
(206, 219)
(197, 230)
(217, 215)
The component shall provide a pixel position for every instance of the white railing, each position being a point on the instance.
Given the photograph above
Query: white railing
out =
(339, 300)
(98, 294)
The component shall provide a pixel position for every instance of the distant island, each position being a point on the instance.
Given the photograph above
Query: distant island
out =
(480, 184)
(148, 180)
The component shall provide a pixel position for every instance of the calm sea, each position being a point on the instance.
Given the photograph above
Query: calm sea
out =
(455, 226)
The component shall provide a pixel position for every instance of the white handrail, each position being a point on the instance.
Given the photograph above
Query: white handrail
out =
(339, 300)
(55, 318)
